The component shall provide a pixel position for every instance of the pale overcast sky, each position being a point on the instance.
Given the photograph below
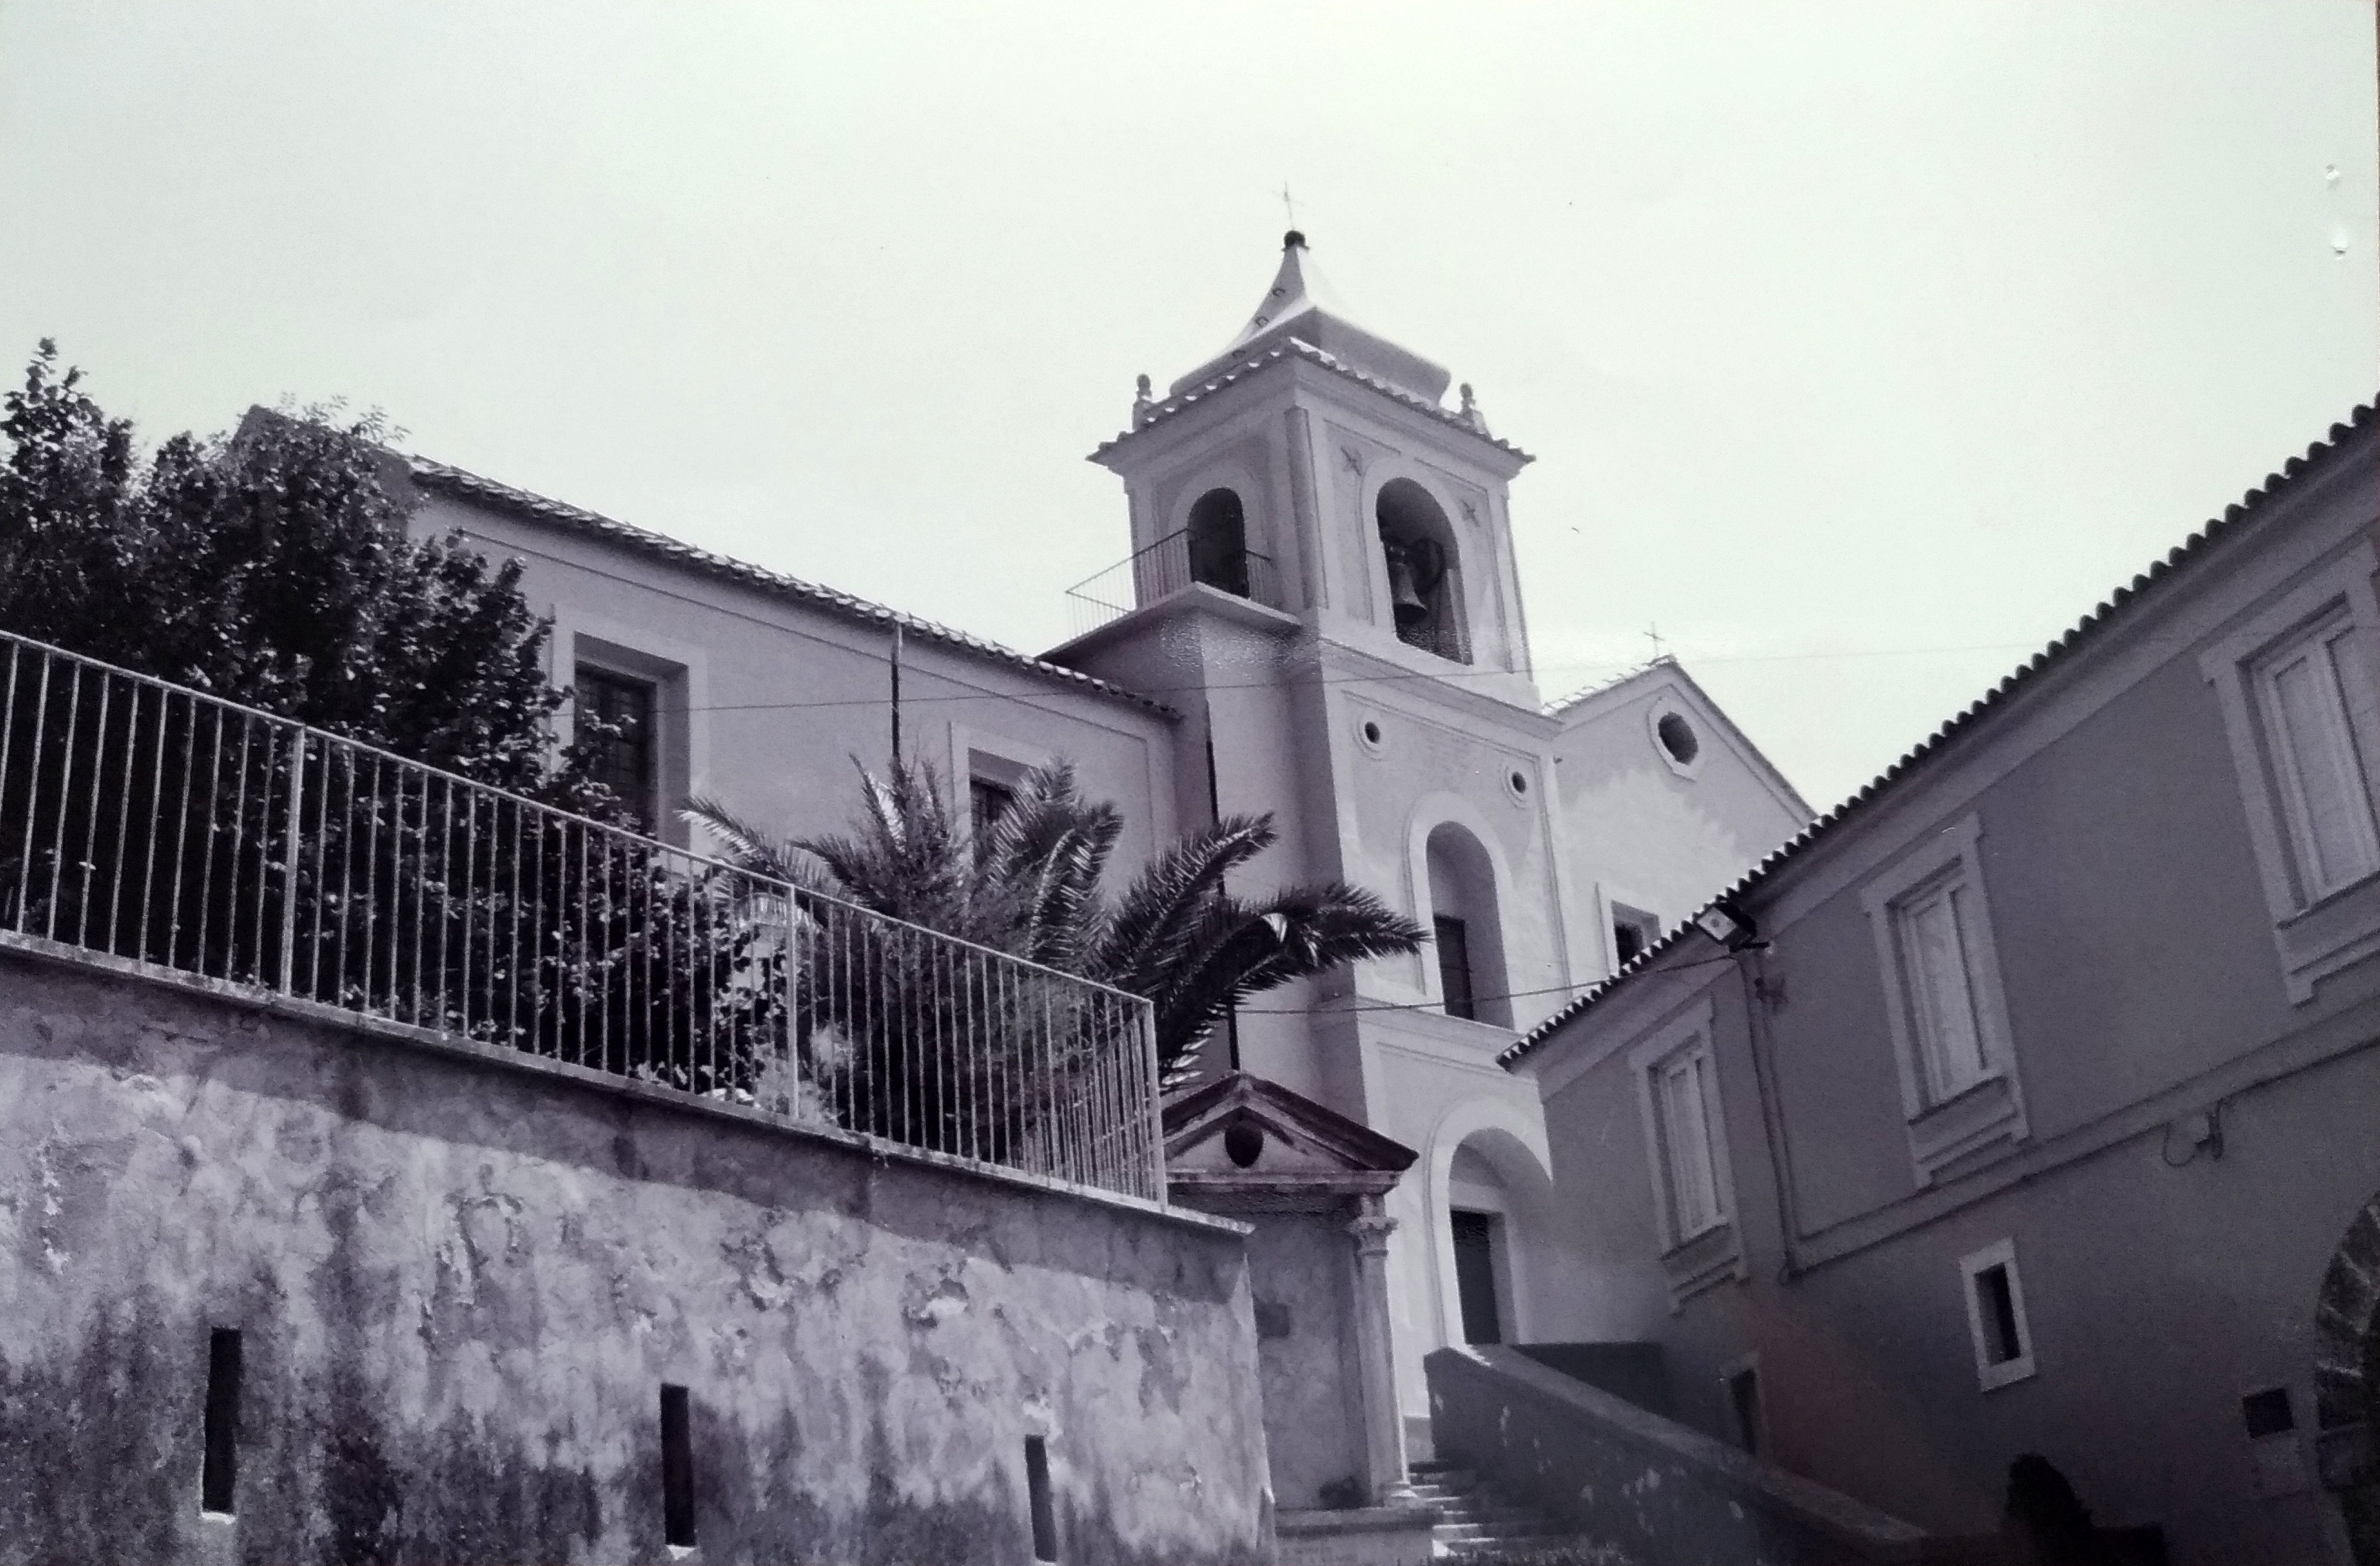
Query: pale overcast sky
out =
(1863, 347)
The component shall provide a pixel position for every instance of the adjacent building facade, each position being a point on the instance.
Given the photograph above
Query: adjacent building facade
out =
(1321, 617)
(2028, 1103)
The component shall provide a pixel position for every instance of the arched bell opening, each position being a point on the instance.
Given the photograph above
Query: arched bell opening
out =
(1425, 583)
(1218, 542)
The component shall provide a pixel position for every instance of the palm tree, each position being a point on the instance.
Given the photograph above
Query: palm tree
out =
(1177, 935)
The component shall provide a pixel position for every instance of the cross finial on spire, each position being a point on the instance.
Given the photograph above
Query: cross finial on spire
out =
(1287, 205)
(1660, 645)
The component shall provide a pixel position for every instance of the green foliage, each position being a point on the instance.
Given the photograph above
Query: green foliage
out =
(271, 568)
(1176, 934)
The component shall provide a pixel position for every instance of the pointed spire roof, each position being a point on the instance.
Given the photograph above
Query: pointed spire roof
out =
(1301, 305)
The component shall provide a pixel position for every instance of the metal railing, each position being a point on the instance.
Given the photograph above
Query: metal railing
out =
(145, 821)
(1164, 568)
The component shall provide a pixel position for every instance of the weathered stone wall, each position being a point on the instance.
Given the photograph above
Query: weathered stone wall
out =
(461, 1284)
(1306, 1333)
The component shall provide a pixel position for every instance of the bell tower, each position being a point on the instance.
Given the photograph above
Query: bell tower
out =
(1311, 467)
(1321, 582)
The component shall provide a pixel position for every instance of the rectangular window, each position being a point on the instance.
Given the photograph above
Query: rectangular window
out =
(986, 802)
(2300, 701)
(1632, 930)
(1681, 1101)
(1931, 918)
(2303, 690)
(1995, 1315)
(615, 714)
(1686, 1151)
(219, 1470)
(677, 1468)
(1938, 971)
(1453, 942)
(1037, 1490)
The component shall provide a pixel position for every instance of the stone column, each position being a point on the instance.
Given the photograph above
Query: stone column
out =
(1384, 1430)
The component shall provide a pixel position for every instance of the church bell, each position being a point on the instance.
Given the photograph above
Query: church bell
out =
(1410, 609)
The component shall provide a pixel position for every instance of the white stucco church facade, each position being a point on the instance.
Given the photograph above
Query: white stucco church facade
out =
(1321, 617)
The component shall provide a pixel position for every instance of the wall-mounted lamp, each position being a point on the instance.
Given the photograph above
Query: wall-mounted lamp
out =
(1726, 926)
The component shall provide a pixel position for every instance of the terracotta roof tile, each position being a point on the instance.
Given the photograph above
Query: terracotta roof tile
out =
(1158, 412)
(2121, 604)
(441, 478)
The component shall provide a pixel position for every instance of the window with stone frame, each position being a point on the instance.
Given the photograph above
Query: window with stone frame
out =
(1685, 1141)
(2295, 681)
(1952, 1045)
(1682, 1117)
(2307, 687)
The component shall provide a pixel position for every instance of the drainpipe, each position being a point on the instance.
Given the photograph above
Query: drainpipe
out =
(1761, 992)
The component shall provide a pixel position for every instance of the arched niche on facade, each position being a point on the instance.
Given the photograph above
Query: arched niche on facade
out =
(1466, 925)
(1423, 563)
(1487, 1159)
(1216, 541)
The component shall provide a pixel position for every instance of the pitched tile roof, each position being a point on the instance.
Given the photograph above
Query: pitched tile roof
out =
(1157, 413)
(2122, 604)
(439, 477)
(1556, 708)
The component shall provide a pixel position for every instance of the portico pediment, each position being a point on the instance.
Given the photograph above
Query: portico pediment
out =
(1245, 1142)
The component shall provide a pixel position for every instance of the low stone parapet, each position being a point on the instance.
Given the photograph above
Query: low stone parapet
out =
(1622, 1477)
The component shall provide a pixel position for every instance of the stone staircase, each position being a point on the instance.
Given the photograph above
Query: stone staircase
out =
(1473, 1524)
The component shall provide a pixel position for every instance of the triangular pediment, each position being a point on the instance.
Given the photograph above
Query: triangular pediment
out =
(1244, 1132)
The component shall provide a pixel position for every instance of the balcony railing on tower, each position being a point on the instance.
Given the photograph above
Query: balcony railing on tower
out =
(1166, 567)
(156, 828)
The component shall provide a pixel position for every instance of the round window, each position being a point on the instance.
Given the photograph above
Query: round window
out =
(1373, 737)
(1678, 738)
(1517, 781)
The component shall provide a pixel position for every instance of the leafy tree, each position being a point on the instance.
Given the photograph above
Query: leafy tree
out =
(271, 568)
(1175, 934)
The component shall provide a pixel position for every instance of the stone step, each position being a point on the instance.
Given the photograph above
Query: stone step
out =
(1527, 1528)
(1491, 1514)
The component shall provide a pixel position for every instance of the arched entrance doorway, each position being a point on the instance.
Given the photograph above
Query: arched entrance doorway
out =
(2347, 1381)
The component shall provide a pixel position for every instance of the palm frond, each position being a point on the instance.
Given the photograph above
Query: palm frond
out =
(1150, 930)
(746, 845)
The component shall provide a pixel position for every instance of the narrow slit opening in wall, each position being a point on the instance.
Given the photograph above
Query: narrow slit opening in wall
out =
(678, 1469)
(1036, 1487)
(2003, 1339)
(219, 1470)
(1744, 1399)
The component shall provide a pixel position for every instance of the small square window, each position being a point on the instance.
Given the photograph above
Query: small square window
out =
(1632, 930)
(2276, 1461)
(1995, 1315)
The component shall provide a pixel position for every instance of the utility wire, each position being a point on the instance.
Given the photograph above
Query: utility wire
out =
(1341, 679)
(1433, 1006)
